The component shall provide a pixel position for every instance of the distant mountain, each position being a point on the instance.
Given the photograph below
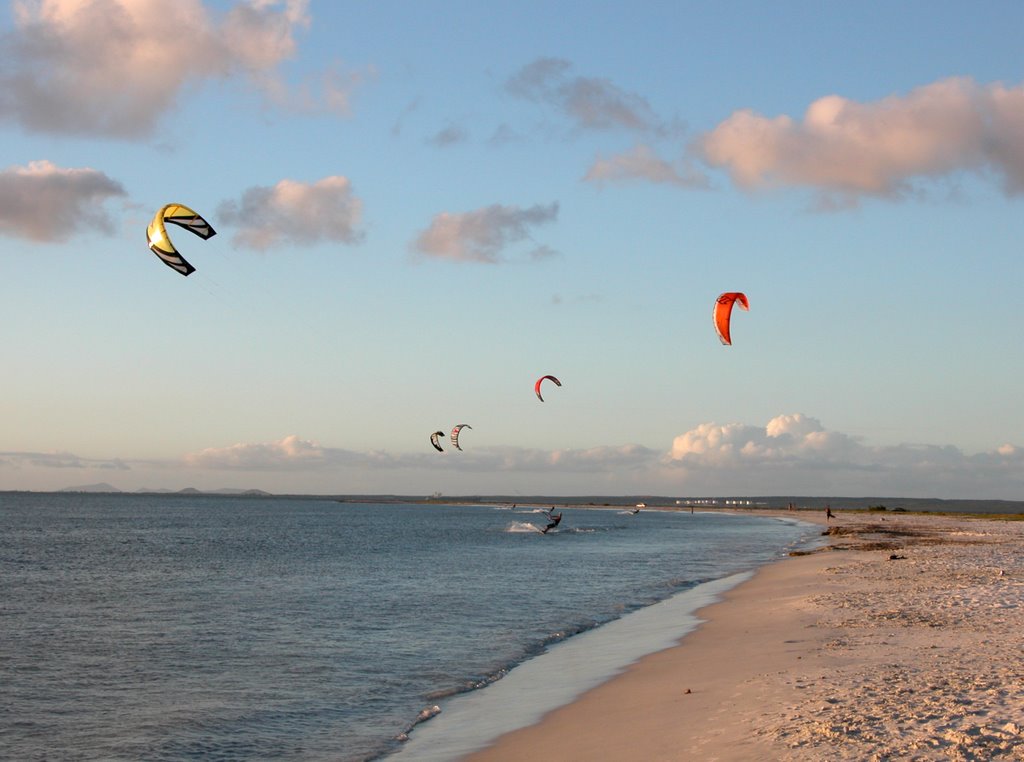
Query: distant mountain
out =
(104, 487)
(222, 491)
(101, 487)
(195, 491)
(233, 491)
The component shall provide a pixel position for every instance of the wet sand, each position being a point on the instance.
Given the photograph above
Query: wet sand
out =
(903, 639)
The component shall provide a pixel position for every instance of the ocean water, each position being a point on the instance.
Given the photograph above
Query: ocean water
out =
(173, 627)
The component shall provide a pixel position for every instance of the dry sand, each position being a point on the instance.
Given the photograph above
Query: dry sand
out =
(904, 640)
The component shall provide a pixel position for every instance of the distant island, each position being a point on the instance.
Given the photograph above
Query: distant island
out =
(102, 487)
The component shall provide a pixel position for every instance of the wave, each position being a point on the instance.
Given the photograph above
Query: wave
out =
(523, 526)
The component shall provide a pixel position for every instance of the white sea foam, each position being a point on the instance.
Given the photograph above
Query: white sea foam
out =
(559, 675)
(522, 526)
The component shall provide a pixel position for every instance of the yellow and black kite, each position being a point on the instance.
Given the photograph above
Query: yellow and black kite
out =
(160, 243)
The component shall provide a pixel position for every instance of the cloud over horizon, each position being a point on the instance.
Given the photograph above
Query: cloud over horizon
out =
(289, 453)
(53, 460)
(845, 150)
(46, 203)
(792, 454)
(293, 453)
(293, 212)
(113, 68)
(795, 450)
(483, 235)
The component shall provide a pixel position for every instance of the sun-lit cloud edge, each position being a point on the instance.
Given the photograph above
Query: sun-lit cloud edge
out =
(114, 69)
(846, 150)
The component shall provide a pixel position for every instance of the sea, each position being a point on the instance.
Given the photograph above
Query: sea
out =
(191, 627)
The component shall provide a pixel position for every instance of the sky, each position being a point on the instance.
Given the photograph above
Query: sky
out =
(421, 208)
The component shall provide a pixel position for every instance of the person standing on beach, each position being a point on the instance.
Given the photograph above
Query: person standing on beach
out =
(828, 513)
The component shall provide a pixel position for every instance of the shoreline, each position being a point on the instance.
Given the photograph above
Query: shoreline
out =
(900, 638)
(467, 722)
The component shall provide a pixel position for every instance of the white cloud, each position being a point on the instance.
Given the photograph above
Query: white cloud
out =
(43, 202)
(295, 454)
(845, 149)
(290, 453)
(790, 455)
(483, 235)
(591, 103)
(786, 439)
(642, 163)
(114, 67)
(296, 213)
(795, 454)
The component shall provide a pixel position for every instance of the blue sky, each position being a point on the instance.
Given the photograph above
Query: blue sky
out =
(423, 207)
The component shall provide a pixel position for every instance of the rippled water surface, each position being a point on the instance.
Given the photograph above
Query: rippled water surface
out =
(170, 627)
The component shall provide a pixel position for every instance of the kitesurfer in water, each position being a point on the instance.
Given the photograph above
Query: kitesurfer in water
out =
(555, 518)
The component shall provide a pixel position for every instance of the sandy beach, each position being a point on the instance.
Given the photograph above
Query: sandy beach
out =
(902, 639)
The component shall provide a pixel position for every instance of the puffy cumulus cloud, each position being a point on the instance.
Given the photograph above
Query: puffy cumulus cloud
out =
(297, 213)
(795, 454)
(43, 202)
(290, 453)
(790, 455)
(845, 149)
(590, 103)
(641, 163)
(114, 67)
(786, 438)
(483, 235)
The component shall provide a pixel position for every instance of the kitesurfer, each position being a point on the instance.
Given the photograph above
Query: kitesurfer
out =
(555, 518)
